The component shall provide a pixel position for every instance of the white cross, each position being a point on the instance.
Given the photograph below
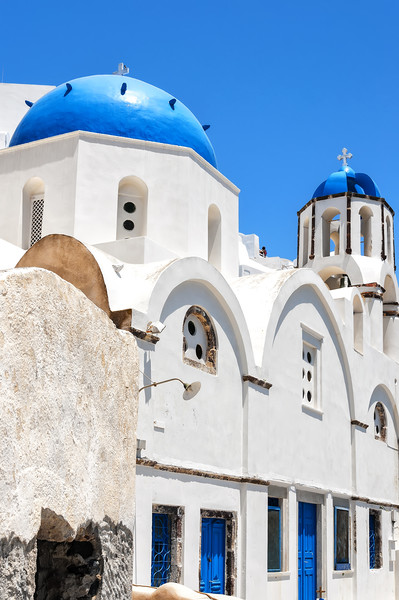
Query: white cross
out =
(122, 69)
(344, 156)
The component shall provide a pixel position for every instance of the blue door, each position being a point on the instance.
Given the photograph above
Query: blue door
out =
(306, 551)
(213, 551)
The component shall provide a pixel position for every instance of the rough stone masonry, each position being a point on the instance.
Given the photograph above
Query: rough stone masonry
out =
(68, 413)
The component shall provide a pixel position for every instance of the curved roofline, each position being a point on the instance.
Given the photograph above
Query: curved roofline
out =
(292, 286)
(193, 269)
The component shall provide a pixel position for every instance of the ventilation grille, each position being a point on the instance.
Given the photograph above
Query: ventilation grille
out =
(37, 220)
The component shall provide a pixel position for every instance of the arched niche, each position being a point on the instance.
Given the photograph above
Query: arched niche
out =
(305, 241)
(331, 231)
(388, 225)
(383, 413)
(366, 242)
(32, 211)
(334, 278)
(132, 208)
(214, 236)
(358, 324)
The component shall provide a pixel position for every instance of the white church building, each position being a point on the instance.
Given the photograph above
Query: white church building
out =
(272, 472)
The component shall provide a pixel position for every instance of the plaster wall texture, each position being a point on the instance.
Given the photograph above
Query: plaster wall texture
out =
(218, 409)
(181, 187)
(81, 173)
(67, 428)
(13, 107)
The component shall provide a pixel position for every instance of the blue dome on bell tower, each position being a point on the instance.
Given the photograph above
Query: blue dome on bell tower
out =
(346, 180)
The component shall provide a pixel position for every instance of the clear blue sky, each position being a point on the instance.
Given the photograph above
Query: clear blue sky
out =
(285, 85)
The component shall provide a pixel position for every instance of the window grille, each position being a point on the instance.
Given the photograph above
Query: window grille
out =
(161, 549)
(372, 541)
(375, 541)
(37, 220)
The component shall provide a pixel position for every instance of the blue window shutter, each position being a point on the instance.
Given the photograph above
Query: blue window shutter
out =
(161, 546)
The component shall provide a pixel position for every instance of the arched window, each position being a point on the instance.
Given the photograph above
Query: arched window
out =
(380, 423)
(366, 245)
(132, 208)
(305, 241)
(214, 236)
(357, 324)
(331, 231)
(389, 238)
(199, 340)
(32, 211)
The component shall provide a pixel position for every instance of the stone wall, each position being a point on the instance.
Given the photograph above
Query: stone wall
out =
(68, 412)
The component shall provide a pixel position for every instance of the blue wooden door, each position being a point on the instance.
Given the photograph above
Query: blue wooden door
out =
(307, 573)
(213, 552)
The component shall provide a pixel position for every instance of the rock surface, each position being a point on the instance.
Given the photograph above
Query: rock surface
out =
(68, 413)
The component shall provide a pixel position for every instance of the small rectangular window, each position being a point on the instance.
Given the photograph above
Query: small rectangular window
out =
(341, 538)
(311, 368)
(375, 542)
(274, 535)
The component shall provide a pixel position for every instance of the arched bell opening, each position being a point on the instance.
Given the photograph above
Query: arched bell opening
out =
(331, 232)
(388, 225)
(366, 242)
(305, 241)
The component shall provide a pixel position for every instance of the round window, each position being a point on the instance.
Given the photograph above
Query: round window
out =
(129, 225)
(191, 328)
(198, 351)
(129, 207)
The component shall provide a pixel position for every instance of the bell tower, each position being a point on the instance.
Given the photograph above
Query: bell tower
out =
(345, 232)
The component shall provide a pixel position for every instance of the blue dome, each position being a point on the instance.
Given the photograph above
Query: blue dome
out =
(346, 180)
(114, 105)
